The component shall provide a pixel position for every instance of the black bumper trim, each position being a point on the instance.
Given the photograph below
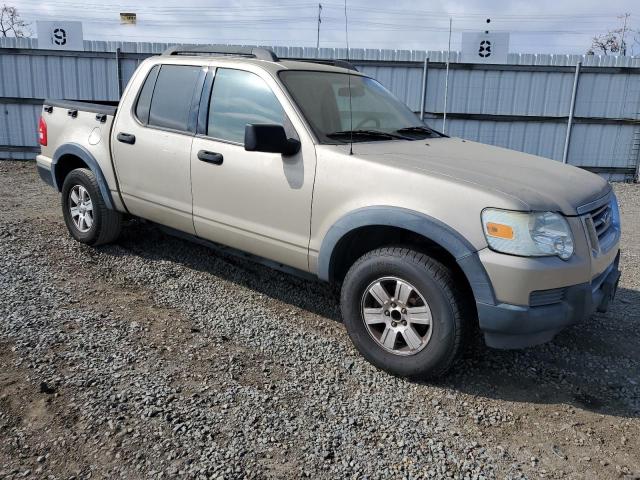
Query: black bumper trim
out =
(512, 326)
(46, 175)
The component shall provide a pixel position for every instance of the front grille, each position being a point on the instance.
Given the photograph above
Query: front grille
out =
(601, 228)
(546, 297)
(602, 219)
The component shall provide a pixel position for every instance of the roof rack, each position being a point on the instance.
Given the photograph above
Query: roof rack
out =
(252, 52)
(334, 63)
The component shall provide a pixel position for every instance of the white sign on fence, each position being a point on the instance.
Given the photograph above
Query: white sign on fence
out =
(60, 35)
(485, 47)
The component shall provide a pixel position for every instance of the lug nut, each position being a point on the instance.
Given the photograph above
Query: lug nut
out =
(393, 305)
(394, 324)
(404, 310)
(404, 323)
(386, 312)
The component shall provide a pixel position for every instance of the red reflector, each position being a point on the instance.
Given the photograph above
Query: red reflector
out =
(42, 132)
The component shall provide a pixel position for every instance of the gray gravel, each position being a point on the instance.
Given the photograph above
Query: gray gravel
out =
(158, 358)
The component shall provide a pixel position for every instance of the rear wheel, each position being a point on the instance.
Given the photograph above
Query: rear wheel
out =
(85, 213)
(402, 311)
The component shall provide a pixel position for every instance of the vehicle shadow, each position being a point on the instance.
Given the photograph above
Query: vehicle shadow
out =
(149, 241)
(594, 365)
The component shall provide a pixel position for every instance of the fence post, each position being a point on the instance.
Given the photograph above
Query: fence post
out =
(565, 153)
(424, 87)
(636, 147)
(446, 96)
(119, 70)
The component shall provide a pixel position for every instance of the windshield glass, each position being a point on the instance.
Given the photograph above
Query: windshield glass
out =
(323, 98)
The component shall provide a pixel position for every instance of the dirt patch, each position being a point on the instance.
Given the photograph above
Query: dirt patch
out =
(155, 355)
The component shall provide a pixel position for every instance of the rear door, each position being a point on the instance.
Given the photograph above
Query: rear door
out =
(256, 202)
(151, 145)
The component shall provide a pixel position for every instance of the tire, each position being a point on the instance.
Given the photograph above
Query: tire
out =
(434, 295)
(96, 224)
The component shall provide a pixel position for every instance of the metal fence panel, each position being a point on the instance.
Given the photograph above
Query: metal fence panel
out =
(523, 105)
(609, 95)
(536, 138)
(18, 128)
(603, 146)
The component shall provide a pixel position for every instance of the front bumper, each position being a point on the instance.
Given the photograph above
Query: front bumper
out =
(514, 326)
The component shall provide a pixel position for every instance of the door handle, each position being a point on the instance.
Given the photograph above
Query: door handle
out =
(126, 138)
(210, 157)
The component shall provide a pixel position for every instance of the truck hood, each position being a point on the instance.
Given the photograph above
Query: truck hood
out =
(537, 182)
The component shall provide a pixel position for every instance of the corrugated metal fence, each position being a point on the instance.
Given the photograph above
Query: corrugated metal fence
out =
(524, 105)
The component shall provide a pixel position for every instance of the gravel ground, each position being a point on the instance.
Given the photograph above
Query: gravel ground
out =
(158, 358)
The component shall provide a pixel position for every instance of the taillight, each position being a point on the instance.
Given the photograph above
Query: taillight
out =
(42, 132)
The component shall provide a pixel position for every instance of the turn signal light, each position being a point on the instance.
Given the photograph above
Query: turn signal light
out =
(499, 230)
(42, 132)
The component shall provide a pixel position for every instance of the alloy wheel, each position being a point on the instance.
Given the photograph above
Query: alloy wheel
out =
(396, 316)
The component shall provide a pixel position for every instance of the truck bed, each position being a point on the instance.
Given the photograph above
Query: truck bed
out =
(80, 129)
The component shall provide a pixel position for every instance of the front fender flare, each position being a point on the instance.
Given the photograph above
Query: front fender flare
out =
(465, 254)
(86, 156)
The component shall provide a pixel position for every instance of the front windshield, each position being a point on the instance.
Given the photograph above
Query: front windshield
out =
(323, 98)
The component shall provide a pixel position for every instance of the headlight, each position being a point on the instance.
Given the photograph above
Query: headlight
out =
(536, 234)
(615, 210)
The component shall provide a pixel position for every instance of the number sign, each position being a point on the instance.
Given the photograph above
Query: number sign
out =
(60, 35)
(485, 47)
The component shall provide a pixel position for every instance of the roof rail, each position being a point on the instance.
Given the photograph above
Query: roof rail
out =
(335, 63)
(253, 52)
(258, 53)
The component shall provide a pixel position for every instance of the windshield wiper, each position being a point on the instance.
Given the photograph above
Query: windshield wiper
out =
(418, 129)
(366, 133)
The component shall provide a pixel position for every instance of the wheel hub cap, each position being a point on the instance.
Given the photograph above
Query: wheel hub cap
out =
(396, 316)
(81, 208)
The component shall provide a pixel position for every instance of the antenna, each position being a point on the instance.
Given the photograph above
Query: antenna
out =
(346, 33)
(319, 22)
(446, 82)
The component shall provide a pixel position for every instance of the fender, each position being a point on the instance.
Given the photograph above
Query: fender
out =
(86, 156)
(465, 254)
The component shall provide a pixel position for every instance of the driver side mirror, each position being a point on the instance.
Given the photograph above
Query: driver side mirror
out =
(260, 137)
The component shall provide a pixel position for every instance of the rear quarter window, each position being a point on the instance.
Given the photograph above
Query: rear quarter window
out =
(144, 99)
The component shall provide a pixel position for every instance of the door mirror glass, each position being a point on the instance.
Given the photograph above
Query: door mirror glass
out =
(269, 138)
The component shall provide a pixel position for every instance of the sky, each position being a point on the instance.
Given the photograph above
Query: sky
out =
(540, 26)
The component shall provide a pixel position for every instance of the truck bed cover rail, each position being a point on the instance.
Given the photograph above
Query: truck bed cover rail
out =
(95, 106)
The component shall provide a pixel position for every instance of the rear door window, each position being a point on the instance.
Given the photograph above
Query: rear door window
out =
(173, 96)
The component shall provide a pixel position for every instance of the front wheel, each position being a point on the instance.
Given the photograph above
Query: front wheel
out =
(403, 312)
(87, 217)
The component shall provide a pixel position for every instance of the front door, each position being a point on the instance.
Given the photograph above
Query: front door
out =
(152, 146)
(253, 201)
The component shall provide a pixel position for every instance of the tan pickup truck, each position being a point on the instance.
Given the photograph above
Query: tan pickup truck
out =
(316, 168)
